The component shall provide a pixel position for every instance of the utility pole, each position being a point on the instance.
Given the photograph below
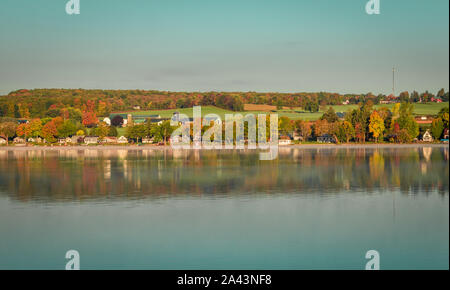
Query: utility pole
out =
(393, 81)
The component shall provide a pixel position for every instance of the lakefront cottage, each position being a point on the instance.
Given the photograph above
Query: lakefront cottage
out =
(445, 134)
(91, 140)
(427, 137)
(2, 141)
(147, 140)
(18, 140)
(325, 138)
(77, 139)
(284, 140)
(122, 140)
(109, 140)
(35, 140)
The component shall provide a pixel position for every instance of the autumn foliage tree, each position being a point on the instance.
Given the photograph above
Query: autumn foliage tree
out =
(89, 119)
(49, 131)
(376, 126)
(23, 130)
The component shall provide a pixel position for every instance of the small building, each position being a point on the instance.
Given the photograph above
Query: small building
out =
(157, 121)
(77, 139)
(424, 120)
(2, 141)
(147, 140)
(445, 134)
(35, 140)
(107, 121)
(19, 140)
(122, 140)
(66, 140)
(109, 140)
(436, 100)
(340, 115)
(346, 102)
(296, 136)
(427, 137)
(326, 138)
(284, 140)
(91, 140)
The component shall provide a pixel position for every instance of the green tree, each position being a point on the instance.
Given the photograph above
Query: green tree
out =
(345, 131)
(136, 132)
(102, 130)
(330, 116)
(163, 132)
(66, 129)
(113, 131)
(443, 114)
(8, 130)
(285, 126)
(407, 122)
(437, 127)
(311, 106)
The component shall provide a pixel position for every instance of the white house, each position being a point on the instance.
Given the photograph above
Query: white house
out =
(122, 140)
(107, 121)
(427, 137)
(284, 140)
(91, 140)
(109, 140)
(147, 140)
(18, 140)
(2, 141)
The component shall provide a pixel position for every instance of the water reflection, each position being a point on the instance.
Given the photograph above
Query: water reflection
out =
(106, 175)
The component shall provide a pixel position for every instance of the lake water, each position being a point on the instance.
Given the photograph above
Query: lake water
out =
(163, 209)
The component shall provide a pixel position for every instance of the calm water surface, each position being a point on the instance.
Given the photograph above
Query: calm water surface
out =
(163, 209)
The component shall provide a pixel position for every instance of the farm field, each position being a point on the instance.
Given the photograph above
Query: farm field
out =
(294, 114)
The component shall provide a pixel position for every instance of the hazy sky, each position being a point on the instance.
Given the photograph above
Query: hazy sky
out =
(229, 45)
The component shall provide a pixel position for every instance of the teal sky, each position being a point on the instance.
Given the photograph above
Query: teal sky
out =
(225, 45)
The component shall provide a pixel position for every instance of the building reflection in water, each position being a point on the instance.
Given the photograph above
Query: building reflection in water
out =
(71, 175)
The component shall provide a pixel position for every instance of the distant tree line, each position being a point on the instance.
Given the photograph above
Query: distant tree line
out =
(85, 105)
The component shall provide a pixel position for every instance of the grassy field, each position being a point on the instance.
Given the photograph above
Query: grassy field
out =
(295, 114)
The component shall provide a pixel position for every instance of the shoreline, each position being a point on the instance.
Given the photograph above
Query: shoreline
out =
(168, 147)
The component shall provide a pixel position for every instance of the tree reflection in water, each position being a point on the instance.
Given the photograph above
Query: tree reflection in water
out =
(104, 175)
